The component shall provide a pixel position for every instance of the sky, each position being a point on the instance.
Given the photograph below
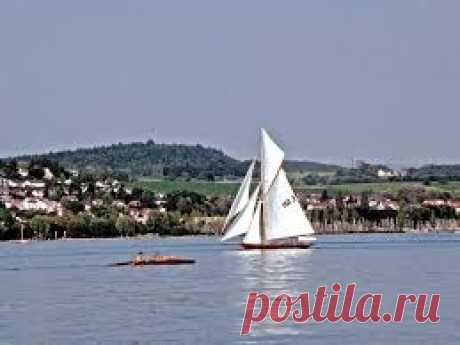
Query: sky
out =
(332, 81)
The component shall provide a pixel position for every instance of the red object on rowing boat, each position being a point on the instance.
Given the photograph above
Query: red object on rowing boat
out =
(157, 260)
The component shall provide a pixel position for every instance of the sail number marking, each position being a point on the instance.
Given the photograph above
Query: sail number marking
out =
(289, 201)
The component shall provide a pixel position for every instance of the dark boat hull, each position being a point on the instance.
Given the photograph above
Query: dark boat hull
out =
(156, 262)
(291, 243)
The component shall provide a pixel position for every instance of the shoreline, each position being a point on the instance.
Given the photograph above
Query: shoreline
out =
(389, 231)
(207, 235)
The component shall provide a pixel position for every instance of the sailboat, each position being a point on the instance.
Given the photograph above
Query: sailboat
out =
(271, 216)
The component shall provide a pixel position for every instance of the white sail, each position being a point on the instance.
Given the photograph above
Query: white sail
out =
(243, 220)
(242, 198)
(283, 216)
(253, 234)
(271, 157)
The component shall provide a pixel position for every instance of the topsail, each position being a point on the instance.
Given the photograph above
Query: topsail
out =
(271, 157)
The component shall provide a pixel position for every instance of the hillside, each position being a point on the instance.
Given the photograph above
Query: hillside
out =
(148, 159)
(445, 170)
(168, 160)
(312, 167)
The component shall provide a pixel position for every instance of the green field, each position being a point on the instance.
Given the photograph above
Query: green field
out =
(202, 187)
(230, 188)
(384, 187)
(451, 187)
(387, 187)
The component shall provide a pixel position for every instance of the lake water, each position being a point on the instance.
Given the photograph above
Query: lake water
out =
(62, 292)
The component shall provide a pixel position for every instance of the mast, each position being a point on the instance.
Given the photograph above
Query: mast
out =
(261, 197)
(271, 158)
(261, 221)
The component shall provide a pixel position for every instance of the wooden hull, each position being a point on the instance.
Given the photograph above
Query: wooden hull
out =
(159, 262)
(291, 243)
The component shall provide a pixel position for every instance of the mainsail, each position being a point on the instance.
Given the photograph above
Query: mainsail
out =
(283, 216)
(242, 198)
(243, 220)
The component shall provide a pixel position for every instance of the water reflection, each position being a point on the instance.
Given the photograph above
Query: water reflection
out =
(273, 269)
(274, 272)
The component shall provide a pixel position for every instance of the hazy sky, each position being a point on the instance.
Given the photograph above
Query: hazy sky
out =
(331, 80)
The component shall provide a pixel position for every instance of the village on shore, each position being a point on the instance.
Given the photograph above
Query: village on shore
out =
(45, 201)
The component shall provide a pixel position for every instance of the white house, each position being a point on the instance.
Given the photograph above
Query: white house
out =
(435, 203)
(387, 173)
(48, 174)
(23, 172)
(140, 215)
(34, 204)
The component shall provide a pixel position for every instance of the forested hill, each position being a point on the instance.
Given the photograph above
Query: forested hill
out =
(312, 167)
(170, 160)
(426, 171)
(149, 159)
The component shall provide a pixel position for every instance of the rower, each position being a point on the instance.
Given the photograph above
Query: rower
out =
(139, 259)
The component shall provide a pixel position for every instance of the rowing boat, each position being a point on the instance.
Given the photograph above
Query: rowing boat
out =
(157, 260)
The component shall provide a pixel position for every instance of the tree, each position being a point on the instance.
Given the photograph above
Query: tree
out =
(151, 224)
(125, 226)
(339, 200)
(42, 225)
(36, 172)
(102, 227)
(11, 169)
(74, 206)
(6, 218)
(107, 198)
(7, 225)
(136, 193)
(185, 202)
(78, 225)
(365, 200)
(105, 211)
(401, 217)
(148, 199)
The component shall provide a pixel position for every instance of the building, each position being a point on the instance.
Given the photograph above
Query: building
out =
(140, 215)
(435, 203)
(48, 175)
(387, 173)
(23, 172)
(4, 190)
(455, 205)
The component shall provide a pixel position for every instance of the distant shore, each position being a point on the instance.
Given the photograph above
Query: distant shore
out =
(387, 227)
(213, 234)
